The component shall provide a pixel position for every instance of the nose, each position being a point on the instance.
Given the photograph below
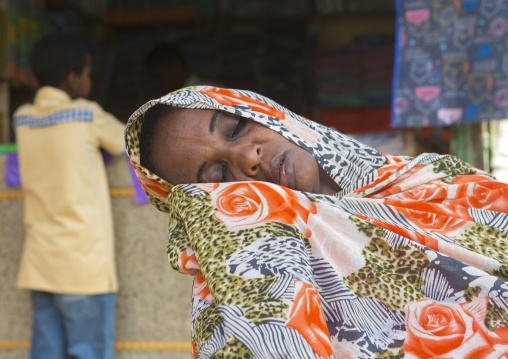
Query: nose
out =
(245, 161)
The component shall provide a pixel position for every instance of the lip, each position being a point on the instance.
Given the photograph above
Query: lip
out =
(282, 171)
(283, 175)
(276, 167)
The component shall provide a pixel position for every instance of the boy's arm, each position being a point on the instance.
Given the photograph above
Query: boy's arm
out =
(109, 132)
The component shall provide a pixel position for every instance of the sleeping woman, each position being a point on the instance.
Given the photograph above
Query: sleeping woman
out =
(305, 243)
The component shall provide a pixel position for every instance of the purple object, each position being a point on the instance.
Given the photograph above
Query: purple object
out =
(106, 157)
(139, 192)
(12, 178)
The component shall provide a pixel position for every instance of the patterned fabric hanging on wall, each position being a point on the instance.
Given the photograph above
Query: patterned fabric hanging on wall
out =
(451, 62)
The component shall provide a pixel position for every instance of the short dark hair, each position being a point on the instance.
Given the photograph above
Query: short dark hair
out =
(55, 56)
(151, 119)
(163, 54)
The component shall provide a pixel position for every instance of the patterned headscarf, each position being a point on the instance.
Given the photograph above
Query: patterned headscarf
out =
(349, 162)
(410, 258)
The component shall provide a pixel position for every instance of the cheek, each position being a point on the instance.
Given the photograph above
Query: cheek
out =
(174, 172)
(307, 173)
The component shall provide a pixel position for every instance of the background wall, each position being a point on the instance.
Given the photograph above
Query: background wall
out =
(153, 303)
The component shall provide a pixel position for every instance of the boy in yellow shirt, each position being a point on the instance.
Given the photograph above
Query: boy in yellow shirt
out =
(68, 259)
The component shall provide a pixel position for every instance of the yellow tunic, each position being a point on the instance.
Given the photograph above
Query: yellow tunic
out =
(69, 242)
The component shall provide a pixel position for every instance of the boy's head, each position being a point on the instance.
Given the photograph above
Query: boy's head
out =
(63, 61)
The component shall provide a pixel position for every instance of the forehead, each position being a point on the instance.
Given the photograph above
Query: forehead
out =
(183, 120)
(180, 140)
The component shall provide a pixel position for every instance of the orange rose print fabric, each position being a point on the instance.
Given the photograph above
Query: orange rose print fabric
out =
(452, 330)
(242, 205)
(150, 185)
(229, 98)
(307, 318)
(409, 260)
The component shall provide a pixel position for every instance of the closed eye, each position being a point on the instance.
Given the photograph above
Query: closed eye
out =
(238, 128)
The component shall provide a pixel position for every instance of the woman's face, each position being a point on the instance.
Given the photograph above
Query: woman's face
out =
(209, 146)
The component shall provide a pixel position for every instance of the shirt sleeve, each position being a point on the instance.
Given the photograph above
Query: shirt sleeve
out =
(109, 132)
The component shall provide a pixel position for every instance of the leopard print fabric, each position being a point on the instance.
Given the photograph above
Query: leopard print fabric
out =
(408, 250)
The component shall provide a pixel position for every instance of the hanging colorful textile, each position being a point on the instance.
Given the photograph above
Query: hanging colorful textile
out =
(451, 62)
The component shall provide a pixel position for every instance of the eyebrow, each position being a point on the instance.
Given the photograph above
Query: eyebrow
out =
(212, 122)
(200, 172)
